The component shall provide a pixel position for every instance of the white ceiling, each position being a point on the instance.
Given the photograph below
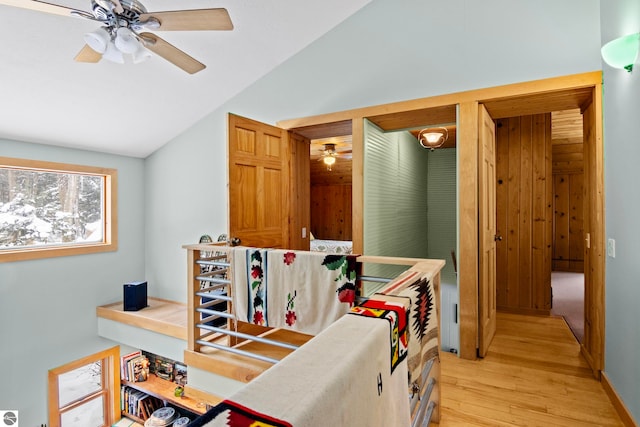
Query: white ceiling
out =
(47, 97)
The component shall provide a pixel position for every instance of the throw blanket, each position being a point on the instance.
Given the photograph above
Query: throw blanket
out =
(397, 315)
(298, 290)
(418, 288)
(341, 377)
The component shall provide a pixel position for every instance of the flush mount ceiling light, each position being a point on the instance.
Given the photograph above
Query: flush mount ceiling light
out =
(622, 52)
(433, 138)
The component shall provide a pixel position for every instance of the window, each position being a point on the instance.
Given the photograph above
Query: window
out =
(55, 209)
(83, 393)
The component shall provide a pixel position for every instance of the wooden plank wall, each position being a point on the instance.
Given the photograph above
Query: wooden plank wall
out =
(524, 213)
(568, 179)
(300, 197)
(331, 200)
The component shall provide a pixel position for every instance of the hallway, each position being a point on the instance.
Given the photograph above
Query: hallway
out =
(533, 375)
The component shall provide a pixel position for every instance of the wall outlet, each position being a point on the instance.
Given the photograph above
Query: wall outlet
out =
(611, 248)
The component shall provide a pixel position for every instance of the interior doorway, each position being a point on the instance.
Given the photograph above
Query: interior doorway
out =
(582, 91)
(568, 300)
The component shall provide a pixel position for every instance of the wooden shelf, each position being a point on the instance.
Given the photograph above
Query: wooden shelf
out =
(164, 390)
(161, 316)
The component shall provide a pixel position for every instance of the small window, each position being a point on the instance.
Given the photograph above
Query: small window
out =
(55, 209)
(83, 393)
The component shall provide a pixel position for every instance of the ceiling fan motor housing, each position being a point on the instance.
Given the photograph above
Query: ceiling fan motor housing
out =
(103, 11)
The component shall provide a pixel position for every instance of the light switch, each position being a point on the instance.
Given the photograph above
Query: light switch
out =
(304, 232)
(611, 248)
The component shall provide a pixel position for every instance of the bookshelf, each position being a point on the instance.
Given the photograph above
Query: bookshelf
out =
(148, 382)
(164, 390)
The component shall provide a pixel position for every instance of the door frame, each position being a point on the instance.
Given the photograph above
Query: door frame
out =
(525, 98)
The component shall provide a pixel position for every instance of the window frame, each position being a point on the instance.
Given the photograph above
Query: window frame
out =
(110, 361)
(110, 220)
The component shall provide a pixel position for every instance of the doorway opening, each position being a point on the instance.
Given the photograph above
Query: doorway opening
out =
(568, 300)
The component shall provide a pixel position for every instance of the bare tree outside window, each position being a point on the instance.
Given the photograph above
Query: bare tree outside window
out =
(49, 208)
(52, 209)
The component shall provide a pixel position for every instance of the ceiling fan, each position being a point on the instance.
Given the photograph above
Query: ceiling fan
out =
(125, 26)
(329, 154)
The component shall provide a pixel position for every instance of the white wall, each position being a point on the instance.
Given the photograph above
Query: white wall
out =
(48, 307)
(388, 51)
(622, 152)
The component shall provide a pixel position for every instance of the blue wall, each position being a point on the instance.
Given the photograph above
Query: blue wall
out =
(622, 174)
(48, 306)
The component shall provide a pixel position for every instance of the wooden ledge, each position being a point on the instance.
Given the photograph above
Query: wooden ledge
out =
(161, 316)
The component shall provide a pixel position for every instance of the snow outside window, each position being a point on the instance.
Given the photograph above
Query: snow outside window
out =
(52, 209)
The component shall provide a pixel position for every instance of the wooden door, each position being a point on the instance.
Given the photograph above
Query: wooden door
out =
(487, 230)
(259, 183)
(593, 216)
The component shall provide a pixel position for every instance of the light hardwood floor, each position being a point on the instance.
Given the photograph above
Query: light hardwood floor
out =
(533, 375)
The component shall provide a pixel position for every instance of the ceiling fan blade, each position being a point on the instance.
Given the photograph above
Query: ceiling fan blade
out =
(171, 53)
(41, 6)
(89, 55)
(191, 20)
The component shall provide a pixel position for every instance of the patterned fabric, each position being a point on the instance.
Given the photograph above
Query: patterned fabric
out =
(398, 318)
(332, 246)
(250, 285)
(232, 414)
(341, 377)
(423, 318)
(300, 290)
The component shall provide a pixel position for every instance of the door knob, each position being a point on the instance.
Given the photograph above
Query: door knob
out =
(497, 238)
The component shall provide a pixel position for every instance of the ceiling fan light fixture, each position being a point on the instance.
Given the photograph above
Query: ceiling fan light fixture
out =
(113, 54)
(98, 40)
(329, 160)
(141, 55)
(433, 138)
(125, 41)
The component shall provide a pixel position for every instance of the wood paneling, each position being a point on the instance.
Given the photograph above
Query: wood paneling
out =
(300, 193)
(340, 173)
(423, 117)
(539, 102)
(568, 177)
(568, 237)
(331, 212)
(331, 200)
(524, 215)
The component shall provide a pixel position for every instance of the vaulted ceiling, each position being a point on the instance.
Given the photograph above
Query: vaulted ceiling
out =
(128, 109)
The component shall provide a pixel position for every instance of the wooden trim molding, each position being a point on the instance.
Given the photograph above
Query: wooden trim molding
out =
(533, 97)
(618, 404)
(110, 212)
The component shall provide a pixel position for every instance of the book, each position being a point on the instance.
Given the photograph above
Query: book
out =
(124, 363)
(139, 369)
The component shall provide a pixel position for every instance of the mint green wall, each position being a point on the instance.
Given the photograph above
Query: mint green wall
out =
(442, 221)
(622, 151)
(385, 53)
(395, 198)
(48, 307)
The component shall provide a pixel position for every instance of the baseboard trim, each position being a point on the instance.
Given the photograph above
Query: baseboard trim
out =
(618, 404)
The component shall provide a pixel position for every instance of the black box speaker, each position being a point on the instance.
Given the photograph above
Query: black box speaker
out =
(135, 296)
